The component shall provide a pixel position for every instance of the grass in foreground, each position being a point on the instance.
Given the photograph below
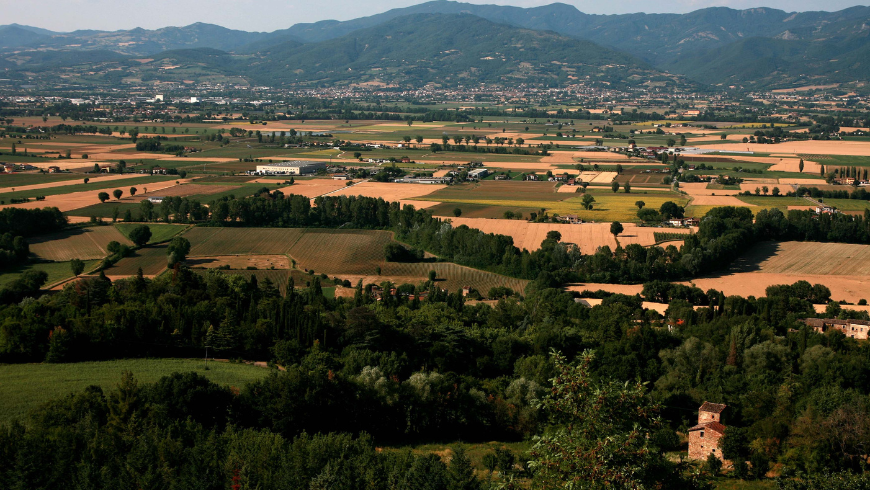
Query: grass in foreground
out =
(24, 387)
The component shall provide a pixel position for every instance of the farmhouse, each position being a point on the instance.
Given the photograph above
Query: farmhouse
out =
(296, 167)
(478, 173)
(855, 329)
(704, 437)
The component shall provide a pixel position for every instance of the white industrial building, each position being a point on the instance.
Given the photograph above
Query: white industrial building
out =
(297, 167)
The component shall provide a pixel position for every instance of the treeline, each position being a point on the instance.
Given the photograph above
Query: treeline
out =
(409, 371)
(724, 234)
(31, 222)
(462, 245)
(860, 194)
(172, 434)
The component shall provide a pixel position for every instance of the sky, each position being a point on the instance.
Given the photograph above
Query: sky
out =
(269, 15)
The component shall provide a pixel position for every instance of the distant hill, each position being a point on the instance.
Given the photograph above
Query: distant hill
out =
(760, 47)
(12, 35)
(449, 50)
(764, 62)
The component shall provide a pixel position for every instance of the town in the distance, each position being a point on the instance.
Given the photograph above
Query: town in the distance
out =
(446, 246)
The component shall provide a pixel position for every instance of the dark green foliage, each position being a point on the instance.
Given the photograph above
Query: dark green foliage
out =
(140, 235)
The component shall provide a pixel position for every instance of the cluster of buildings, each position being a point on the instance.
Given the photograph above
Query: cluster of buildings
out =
(294, 167)
(854, 329)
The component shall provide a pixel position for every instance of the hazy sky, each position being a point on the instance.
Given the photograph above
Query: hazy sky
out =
(269, 15)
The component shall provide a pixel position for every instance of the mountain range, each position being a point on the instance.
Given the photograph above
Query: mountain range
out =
(451, 42)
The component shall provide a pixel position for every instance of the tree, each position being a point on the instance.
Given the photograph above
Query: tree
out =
(418, 139)
(133, 191)
(147, 208)
(671, 142)
(764, 189)
(177, 250)
(601, 433)
(801, 165)
(682, 140)
(723, 136)
(77, 266)
(87, 180)
(616, 228)
(713, 465)
(640, 204)
(554, 235)
(614, 185)
(587, 201)
(670, 210)
(117, 193)
(103, 196)
(140, 235)
(627, 188)
(775, 191)
(460, 473)
(457, 212)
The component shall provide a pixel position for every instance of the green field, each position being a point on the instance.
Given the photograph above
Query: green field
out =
(479, 210)
(159, 232)
(769, 202)
(499, 190)
(57, 271)
(152, 259)
(26, 386)
(241, 241)
(32, 178)
(848, 204)
(96, 186)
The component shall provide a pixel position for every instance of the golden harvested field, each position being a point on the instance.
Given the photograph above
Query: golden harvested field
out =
(848, 288)
(588, 236)
(310, 188)
(857, 148)
(840, 259)
(604, 178)
(568, 189)
(83, 243)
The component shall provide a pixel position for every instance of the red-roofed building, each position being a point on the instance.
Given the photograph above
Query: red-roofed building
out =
(704, 437)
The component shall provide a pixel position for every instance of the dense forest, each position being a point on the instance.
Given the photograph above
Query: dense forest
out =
(361, 373)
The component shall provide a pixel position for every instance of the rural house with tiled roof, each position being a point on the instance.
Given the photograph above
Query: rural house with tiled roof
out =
(704, 437)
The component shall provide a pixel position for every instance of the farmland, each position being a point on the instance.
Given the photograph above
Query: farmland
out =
(240, 241)
(24, 387)
(159, 232)
(151, 259)
(838, 259)
(57, 271)
(80, 243)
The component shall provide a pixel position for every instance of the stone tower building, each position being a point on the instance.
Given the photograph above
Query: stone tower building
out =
(704, 437)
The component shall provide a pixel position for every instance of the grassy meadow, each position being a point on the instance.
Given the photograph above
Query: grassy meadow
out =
(24, 387)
